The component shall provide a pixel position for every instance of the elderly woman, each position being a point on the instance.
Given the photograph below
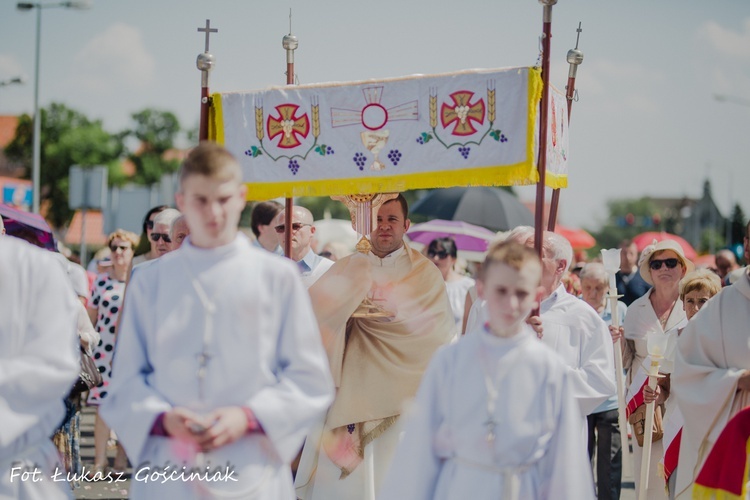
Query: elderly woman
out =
(604, 429)
(104, 310)
(658, 312)
(695, 290)
(443, 253)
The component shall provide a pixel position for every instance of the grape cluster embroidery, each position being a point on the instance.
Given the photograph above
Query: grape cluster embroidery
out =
(293, 166)
(324, 150)
(359, 160)
(395, 156)
(464, 150)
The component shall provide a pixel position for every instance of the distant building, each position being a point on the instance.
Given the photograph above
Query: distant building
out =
(691, 217)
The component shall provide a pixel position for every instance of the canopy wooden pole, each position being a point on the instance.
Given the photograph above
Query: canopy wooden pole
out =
(542, 160)
(289, 43)
(574, 58)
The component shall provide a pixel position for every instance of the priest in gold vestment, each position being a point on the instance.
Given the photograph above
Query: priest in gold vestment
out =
(382, 316)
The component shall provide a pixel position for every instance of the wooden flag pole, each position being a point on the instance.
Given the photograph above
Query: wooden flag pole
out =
(574, 58)
(542, 159)
(205, 63)
(290, 43)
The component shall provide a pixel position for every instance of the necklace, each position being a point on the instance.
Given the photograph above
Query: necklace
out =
(501, 368)
(204, 356)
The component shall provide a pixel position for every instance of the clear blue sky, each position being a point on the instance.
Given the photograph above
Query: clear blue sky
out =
(646, 122)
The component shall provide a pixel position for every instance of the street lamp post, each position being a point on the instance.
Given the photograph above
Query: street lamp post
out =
(37, 145)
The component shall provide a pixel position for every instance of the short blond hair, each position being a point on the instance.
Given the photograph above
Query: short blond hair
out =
(513, 255)
(123, 235)
(211, 160)
(702, 280)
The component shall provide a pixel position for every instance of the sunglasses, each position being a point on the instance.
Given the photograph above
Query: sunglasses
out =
(150, 224)
(655, 264)
(156, 236)
(442, 254)
(124, 248)
(295, 227)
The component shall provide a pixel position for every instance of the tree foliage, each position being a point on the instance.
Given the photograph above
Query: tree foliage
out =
(627, 218)
(156, 132)
(738, 222)
(68, 138)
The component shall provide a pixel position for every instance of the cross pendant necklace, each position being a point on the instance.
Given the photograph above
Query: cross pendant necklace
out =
(208, 335)
(492, 394)
(490, 424)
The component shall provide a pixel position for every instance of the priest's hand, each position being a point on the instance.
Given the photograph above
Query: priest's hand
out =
(617, 332)
(183, 424)
(229, 424)
(536, 323)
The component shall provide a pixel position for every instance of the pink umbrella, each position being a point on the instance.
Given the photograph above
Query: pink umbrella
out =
(28, 226)
(468, 237)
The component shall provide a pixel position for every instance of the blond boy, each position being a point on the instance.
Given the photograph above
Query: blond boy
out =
(219, 369)
(494, 416)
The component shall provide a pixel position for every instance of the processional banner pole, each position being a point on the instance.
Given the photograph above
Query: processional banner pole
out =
(205, 63)
(543, 119)
(290, 44)
(574, 58)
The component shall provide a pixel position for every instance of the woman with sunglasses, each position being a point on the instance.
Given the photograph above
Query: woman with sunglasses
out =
(443, 253)
(104, 310)
(145, 249)
(660, 311)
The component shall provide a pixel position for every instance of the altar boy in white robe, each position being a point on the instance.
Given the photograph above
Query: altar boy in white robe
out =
(39, 363)
(494, 416)
(219, 369)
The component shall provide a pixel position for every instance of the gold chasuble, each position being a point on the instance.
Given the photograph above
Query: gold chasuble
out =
(378, 355)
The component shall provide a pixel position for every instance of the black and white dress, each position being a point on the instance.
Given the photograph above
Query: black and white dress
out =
(106, 296)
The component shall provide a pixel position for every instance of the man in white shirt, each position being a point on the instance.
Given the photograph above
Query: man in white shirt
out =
(311, 265)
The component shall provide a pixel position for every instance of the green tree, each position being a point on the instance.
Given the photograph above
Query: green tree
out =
(627, 218)
(738, 222)
(68, 138)
(156, 132)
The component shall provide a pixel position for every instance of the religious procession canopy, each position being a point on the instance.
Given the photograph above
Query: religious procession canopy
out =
(471, 128)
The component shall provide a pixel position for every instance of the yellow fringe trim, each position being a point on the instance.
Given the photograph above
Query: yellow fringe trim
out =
(556, 181)
(519, 174)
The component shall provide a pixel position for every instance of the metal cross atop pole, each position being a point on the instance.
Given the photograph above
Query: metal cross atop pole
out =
(208, 30)
(205, 63)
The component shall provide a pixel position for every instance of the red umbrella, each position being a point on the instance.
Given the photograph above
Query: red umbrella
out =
(645, 239)
(579, 239)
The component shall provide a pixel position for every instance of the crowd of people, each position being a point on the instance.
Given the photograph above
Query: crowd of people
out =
(228, 370)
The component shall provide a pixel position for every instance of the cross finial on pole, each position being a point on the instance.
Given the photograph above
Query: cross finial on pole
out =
(208, 30)
(578, 30)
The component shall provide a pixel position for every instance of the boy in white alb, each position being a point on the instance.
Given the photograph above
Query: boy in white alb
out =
(494, 416)
(219, 368)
